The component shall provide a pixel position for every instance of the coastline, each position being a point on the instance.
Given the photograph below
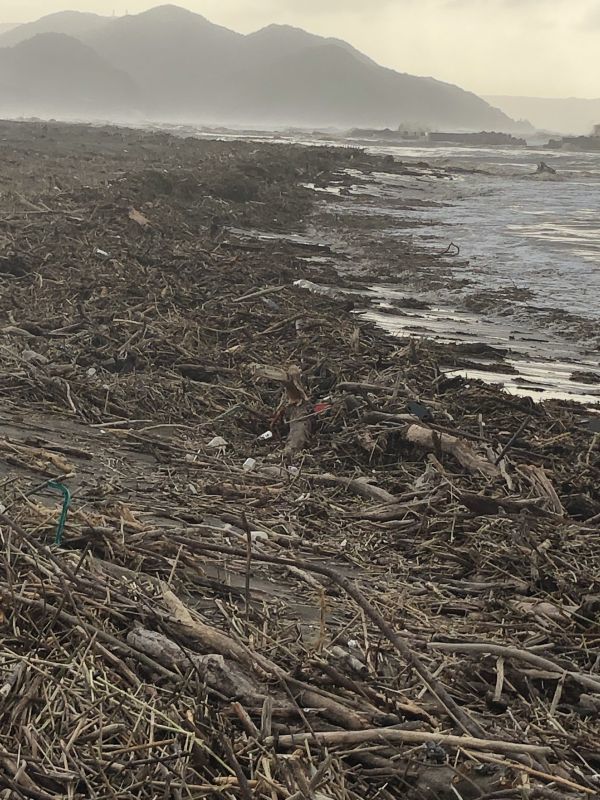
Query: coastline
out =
(152, 338)
(421, 284)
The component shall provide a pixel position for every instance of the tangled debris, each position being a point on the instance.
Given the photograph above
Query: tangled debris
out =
(299, 561)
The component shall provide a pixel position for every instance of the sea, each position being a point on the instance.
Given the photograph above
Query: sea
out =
(518, 230)
(522, 256)
(527, 245)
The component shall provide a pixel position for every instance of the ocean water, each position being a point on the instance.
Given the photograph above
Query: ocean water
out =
(531, 244)
(516, 230)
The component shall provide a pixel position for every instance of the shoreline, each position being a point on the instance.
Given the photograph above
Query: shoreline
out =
(434, 298)
(283, 520)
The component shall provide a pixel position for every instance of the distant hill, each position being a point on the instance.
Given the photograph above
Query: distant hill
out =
(54, 74)
(180, 66)
(71, 23)
(570, 115)
(178, 58)
(278, 41)
(352, 91)
(5, 27)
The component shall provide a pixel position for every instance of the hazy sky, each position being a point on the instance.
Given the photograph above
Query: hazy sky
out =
(538, 47)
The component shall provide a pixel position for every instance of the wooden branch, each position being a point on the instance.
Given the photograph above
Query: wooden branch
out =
(359, 486)
(399, 736)
(536, 792)
(542, 484)
(520, 655)
(451, 445)
(222, 675)
(214, 641)
(358, 388)
(445, 702)
(482, 505)
(436, 439)
(300, 419)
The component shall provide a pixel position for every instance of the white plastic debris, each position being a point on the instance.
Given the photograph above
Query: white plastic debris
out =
(315, 288)
(294, 471)
(101, 253)
(91, 372)
(249, 464)
(218, 443)
(264, 437)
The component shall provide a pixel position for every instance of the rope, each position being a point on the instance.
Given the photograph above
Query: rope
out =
(60, 528)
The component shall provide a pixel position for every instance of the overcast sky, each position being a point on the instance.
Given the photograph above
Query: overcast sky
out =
(537, 47)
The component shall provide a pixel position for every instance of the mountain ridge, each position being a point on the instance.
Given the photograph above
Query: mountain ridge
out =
(54, 68)
(71, 23)
(189, 69)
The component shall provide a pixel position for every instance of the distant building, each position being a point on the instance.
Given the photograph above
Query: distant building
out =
(596, 131)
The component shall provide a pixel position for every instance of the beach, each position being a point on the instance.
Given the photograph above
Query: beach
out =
(307, 551)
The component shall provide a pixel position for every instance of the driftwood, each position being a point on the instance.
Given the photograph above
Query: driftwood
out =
(396, 735)
(490, 506)
(299, 418)
(362, 487)
(445, 701)
(543, 486)
(222, 675)
(451, 445)
(212, 640)
(137, 662)
(554, 669)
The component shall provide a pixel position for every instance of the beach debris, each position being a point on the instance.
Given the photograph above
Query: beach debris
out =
(324, 291)
(420, 411)
(138, 217)
(545, 169)
(218, 443)
(385, 605)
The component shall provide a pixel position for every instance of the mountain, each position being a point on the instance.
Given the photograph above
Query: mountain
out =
(191, 69)
(71, 23)
(54, 74)
(277, 41)
(5, 27)
(178, 58)
(569, 115)
(351, 91)
(188, 69)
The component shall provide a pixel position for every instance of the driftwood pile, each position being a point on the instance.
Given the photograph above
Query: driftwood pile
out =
(299, 561)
